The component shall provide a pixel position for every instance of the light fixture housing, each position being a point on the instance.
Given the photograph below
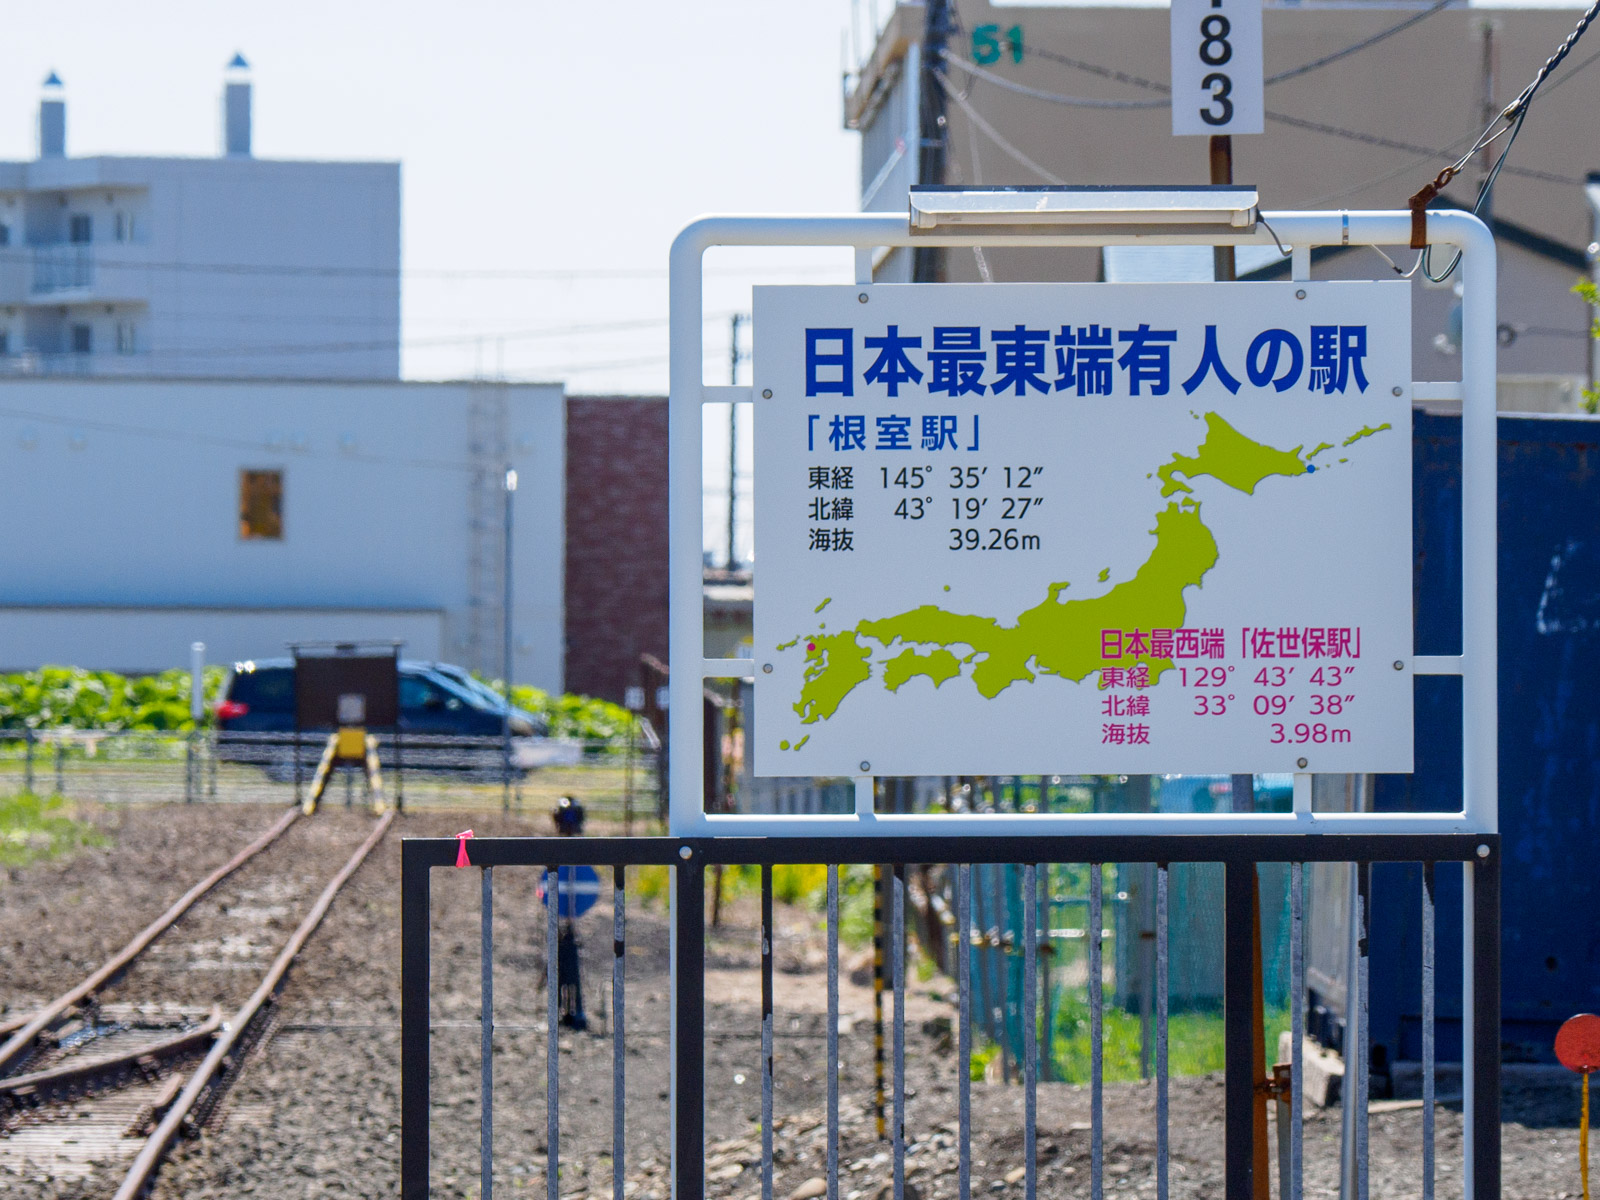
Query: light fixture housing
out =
(960, 210)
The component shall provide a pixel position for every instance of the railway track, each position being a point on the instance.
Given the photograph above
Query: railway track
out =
(87, 1083)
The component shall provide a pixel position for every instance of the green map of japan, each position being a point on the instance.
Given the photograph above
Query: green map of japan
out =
(1056, 636)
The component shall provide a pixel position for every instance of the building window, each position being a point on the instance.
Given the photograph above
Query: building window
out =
(79, 229)
(82, 339)
(125, 338)
(261, 505)
(5, 342)
(5, 234)
(122, 227)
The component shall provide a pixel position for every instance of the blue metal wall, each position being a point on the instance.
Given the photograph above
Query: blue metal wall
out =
(1549, 738)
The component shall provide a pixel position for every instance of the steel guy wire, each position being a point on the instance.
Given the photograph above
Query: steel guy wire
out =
(1514, 115)
(1519, 106)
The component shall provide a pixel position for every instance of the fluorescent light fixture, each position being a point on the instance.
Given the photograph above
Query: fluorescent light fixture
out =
(1130, 210)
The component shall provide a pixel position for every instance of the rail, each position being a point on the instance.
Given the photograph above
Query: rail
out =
(689, 859)
(218, 1061)
(21, 1040)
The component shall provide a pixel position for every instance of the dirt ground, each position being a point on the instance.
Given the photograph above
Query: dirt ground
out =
(315, 1111)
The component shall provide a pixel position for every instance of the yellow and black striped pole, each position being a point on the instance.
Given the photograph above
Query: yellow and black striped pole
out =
(877, 997)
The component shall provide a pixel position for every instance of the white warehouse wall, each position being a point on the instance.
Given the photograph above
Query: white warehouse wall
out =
(124, 494)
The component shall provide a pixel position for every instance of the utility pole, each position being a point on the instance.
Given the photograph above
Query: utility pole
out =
(1488, 110)
(734, 356)
(926, 264)
(1222, 172)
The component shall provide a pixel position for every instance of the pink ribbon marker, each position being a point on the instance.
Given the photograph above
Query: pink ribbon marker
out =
(461, 848)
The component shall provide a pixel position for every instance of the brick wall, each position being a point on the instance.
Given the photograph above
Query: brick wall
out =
(616, 558)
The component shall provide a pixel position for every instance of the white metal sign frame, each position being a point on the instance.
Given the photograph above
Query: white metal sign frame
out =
(867, 232)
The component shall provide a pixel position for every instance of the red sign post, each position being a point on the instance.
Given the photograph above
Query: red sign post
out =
(1578, 1048)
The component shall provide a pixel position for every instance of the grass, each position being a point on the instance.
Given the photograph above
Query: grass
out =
(34, 828)
(1194, 1041)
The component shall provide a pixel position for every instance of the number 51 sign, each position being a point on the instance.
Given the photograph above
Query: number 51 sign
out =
(1216, 67)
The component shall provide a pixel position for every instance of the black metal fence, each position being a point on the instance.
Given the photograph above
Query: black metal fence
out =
(690, 859)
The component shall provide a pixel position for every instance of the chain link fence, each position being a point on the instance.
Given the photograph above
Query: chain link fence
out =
(618, 782)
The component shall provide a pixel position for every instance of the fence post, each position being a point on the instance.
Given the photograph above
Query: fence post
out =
(197, 700)
(414, 1022)
(61, 763)
(27, 759)
(688, 1027)
(1484, 878)
(1237, 1015)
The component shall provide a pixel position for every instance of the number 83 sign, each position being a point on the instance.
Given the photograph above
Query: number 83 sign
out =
(1216, 67)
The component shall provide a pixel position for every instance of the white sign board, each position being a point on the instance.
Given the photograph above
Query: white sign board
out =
(1105, 528)
(1216, 67)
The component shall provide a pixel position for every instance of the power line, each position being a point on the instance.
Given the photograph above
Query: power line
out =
(1373, 139)
(310, 348)
(994, 135)
(25, 255)
(254, 446)
(1021, 89)
(1382, 35)
(1321, 127)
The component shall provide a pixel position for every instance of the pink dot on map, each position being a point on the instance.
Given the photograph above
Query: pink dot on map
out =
(810, 646)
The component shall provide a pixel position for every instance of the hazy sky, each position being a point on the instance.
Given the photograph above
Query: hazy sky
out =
(573, 139)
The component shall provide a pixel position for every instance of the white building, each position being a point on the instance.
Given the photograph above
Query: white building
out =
(203, 433)
(142, 515)
(229, 266)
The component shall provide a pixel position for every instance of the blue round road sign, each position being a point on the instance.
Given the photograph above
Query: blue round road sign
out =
(579, 890)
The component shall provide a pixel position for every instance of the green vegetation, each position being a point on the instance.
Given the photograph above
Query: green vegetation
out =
(70, 697)
(571, 716)
(1194, 1040)
(804, 884)
(34, 828)
(1586, 289)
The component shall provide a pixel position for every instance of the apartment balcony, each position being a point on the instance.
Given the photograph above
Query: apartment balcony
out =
(34, 364)
(75, 273)
(62, 269)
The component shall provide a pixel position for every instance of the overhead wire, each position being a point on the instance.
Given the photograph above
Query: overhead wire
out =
(1281, 77)
(28, 254)
(993, 134)
(273, 350)
(1322, 127)
(1021, 89)
(203, 439)
(1357, 47)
